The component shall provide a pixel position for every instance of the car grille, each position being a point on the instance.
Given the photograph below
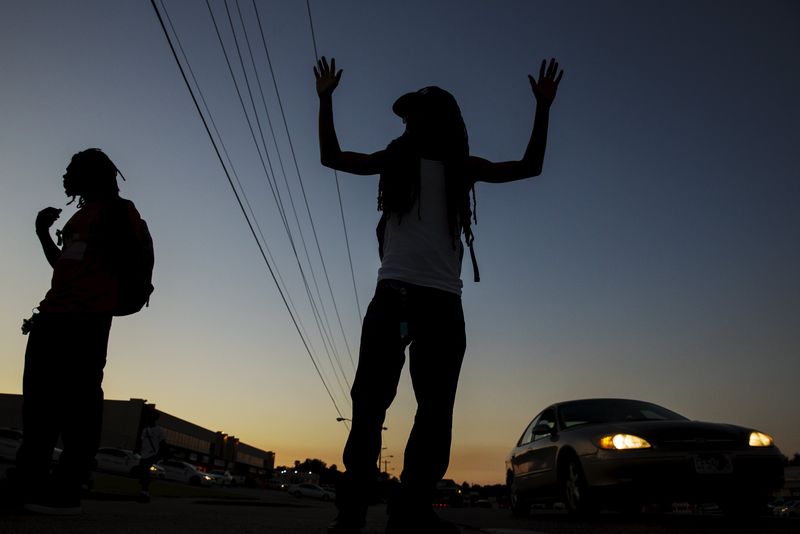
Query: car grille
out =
(700, 444)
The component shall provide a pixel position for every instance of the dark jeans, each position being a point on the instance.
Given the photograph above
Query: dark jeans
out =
(431, 323)
(62, 395)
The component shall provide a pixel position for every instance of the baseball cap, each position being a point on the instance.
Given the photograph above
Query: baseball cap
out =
(427, 99)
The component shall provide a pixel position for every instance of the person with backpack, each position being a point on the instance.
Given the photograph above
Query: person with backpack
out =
(426, 177)
(102, 266)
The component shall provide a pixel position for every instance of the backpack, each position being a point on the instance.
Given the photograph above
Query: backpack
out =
(135, 268)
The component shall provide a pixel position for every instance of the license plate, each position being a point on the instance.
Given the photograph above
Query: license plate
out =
(712, 464)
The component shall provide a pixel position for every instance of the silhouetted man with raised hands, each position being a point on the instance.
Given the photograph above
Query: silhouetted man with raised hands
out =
(426, 176)
(103, 266)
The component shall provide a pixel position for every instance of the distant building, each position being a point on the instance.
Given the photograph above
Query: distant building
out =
(209, 450)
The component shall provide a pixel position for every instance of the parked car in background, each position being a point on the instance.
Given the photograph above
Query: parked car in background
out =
(10, 440)
(115, 460)
(311, 490)
(482, 503)
(448, 494)
(221, 478)
(626, 453)
(185, 472)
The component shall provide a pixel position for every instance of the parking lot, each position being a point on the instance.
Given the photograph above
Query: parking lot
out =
(176, 508)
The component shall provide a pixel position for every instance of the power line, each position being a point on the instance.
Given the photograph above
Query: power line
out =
(325, 335)
(336, 176)
(288, 188)
(232, 167)
(300, 180)
(239, 200)
(347, 244)
(275, 194)
(321, 318)
(313, 34)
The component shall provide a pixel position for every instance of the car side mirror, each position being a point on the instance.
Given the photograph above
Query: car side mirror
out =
(543, 429)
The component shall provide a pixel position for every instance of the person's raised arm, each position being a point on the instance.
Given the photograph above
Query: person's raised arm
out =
(331, 155)
(44, 220)
(530, 165)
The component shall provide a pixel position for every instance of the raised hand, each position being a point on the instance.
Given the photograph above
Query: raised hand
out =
(545, 88)
(327, 77)
(46, 218)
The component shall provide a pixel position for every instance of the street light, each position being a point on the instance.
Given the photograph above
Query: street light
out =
(386, 462)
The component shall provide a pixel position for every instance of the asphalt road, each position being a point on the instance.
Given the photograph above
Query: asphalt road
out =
(114, 510)
(502, 522)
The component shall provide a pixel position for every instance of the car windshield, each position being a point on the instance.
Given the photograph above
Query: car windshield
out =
(588, 412)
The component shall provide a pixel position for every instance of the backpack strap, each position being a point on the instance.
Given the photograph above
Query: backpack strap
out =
(475, 271)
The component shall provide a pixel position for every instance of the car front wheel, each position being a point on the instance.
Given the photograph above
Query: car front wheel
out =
(574, 489)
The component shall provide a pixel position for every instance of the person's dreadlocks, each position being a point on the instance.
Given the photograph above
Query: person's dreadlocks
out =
(96, 173)
(399, 185)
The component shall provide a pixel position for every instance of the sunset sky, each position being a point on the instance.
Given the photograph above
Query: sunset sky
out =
(656, 257)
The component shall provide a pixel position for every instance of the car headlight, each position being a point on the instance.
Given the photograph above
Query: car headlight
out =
(759, 439)
(623, 442)
(153, 468)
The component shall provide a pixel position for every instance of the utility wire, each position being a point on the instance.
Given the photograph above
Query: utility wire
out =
(291, 199)
(336, 175)
(239, 201)
(313, 34)
(297, 170)
(324, 325)
(275, 194)
(231, 166)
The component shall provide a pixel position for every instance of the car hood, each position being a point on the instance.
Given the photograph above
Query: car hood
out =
(683, 434)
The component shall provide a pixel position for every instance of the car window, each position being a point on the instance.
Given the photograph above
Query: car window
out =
(527, 434)
(548, 418)
(613, 411)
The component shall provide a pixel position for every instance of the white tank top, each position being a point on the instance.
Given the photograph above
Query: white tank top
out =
(419, 248)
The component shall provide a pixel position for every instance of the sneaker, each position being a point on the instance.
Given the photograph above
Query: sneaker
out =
(144, 497)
